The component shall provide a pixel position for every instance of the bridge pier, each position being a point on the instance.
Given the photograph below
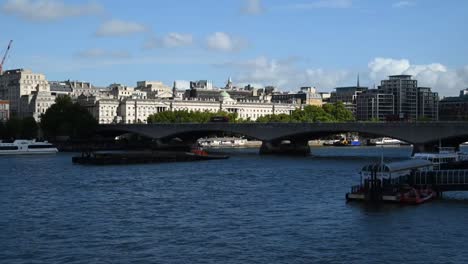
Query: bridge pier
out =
(296, 148)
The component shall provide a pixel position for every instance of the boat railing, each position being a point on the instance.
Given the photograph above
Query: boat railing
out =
(441, 177)
(356, 188)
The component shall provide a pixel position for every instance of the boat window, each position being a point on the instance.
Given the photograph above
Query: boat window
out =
(8, 148)
(40, 146)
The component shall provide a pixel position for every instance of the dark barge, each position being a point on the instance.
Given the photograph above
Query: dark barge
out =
(141, 157)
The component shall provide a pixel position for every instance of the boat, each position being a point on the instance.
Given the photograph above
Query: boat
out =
(222, 142)
(410, 195)
(141, 157)
(388, 182)
(445, 158)
(342, 141)
(27, 147)
(386, 141)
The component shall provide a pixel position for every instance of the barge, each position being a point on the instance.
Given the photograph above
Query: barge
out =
(141, 157)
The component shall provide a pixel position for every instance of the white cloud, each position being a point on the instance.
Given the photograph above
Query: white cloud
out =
(48, 10)
(117, 27)
(177, 39)
(324, 4)
(101, 53)
(402, 4)
(253, 7)
(171, 40)
(439, 77)
(285, 74)
(222, 41)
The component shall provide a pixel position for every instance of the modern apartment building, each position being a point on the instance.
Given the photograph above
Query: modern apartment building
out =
(405, 95)
(374, 105)
(347, 95)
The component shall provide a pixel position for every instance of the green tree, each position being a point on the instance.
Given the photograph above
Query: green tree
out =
(29, 128)
(310, 114)
(339, 112)
(184, 116)
(13, 128)
(2, 130)
(65, 118)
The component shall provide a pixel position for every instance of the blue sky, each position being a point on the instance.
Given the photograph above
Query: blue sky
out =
(322, 43)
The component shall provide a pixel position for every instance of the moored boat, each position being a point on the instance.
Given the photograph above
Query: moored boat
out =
(27, 147)
(446, 158)
(388, 182)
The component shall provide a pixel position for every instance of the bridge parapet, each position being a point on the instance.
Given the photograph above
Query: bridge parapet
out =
(423, 136)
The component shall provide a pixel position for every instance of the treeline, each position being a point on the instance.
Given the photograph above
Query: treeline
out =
(25, 128)
(335, 112)
(64, 118)
(184, 116)
(327, 113)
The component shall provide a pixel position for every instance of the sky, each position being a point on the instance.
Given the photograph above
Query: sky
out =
(286, 43)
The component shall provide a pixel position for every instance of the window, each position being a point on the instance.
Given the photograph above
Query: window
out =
(9, 148)
(40, 146)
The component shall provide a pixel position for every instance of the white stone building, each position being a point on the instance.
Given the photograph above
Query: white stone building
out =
(132, 111)
(154, 89)
(20, 82)
(36, 104)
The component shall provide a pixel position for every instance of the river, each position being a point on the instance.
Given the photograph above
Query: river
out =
(247, 209)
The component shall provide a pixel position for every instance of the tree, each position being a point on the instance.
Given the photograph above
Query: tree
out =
(2, 130)
(29, 128)
(184, 116)
(13, 128)
(65, 118)
(339, 112)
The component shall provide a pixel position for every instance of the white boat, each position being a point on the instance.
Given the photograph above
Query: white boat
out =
(222, 142)
(445, 158)
(29, 147)
(385, 141)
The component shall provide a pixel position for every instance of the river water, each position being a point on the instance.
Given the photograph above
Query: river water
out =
(248, 209)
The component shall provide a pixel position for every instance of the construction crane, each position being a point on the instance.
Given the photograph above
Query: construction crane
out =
(4, 56)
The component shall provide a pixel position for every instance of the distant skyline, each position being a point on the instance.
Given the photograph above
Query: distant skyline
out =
(321, 43)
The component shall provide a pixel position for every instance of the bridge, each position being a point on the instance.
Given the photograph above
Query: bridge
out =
(292, 138)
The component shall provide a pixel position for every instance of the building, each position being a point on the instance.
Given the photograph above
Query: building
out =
(4, 110)
(118, 91)
(347, 95)
(405, 95)
(36, 104)
(104, 110)
(58, 88)
(19, 82)
(306, 96)
(454, 108)
(131, 111)
(410, 102)
(428, 104)
(373, 105)
(155, 89)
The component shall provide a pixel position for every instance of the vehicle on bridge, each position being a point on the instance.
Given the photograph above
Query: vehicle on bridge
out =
(219, 119)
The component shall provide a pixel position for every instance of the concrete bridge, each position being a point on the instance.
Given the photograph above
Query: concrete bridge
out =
(292, 138)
